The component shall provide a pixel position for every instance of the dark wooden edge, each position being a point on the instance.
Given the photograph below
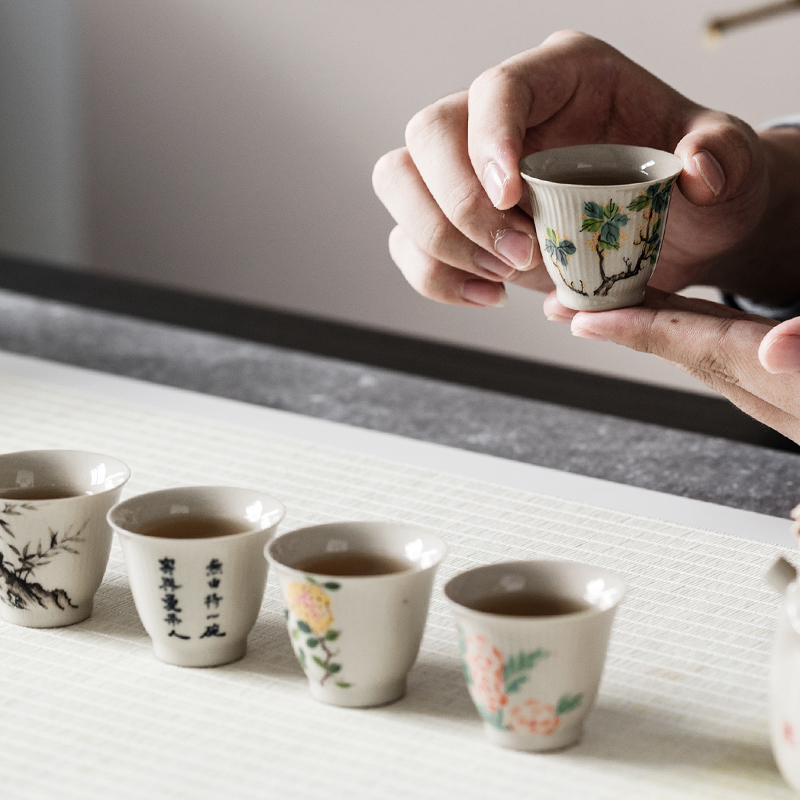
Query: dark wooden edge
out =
(461, 365)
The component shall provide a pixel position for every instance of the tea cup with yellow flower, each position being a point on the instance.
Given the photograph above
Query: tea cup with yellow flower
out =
(357, 597)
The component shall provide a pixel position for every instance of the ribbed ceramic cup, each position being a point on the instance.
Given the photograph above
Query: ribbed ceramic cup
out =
(534, 679)
(600, 240)
(198, 598)
(54, 538)
(357, 636)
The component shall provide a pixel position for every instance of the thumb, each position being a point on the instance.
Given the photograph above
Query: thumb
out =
(779, 350)
(721, 159)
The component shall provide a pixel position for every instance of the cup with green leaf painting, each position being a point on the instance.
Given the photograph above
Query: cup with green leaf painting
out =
(533, 637)
(357, 596)
(601, 213)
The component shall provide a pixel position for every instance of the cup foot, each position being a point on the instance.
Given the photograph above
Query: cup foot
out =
(358, 696)
(579, 302)
(533, 742)
(46, 618)
(199, 654)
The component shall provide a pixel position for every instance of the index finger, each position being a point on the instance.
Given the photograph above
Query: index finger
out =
(503, 103)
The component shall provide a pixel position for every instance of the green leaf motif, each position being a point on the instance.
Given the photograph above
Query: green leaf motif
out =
(343, 684)
(661, 201)
(568, 247)
(610, 210)
(551, 236)
(593, 210)
(609, 233)
(495, 720)
(639, 203)
(591, 224)
(318, 661)
(331, 586)
(522, 663)
(550, 247)
(331, 635)
(304, 626)
(301, 657)
(334, 668)
(567, 703)
(312, 643)
(516, 684)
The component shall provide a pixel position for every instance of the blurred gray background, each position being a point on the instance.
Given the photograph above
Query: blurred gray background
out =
(227, 145)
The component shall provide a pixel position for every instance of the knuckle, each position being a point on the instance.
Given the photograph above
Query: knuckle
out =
(573, 39)
(465, 207)
(436, 237)
(432, 120)
(387, 167)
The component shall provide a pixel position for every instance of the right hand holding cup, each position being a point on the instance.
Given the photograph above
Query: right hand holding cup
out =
(463, 223)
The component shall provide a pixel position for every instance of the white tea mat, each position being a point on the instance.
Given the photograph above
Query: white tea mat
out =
(87, 711)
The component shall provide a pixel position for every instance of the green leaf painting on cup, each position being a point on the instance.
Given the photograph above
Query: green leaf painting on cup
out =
(310, 617)
(559, 251)
(493, 680)
(607, 225)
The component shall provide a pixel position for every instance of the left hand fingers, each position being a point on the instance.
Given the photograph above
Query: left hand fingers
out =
(715, 344)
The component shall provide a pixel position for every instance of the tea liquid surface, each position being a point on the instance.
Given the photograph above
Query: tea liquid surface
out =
(529, 604)
(45, 493)
(189, 526)
(352, 564)
(599, 177)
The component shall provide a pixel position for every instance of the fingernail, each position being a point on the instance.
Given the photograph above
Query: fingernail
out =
(584, 331)
(784, 355)
(483, 293)
(558, 318)
(710, 171)
(516, 246)
(485, 260)
(494, 182)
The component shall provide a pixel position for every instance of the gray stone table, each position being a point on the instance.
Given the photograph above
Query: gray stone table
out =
(640, 454)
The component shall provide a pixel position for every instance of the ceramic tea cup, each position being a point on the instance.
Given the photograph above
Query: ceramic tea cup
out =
(785, 676)
(357, 595)
(54, 538)
(533, 638)
(195, 561)
(600, 212)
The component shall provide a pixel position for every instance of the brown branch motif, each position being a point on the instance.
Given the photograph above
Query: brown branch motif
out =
(310, 625)
(606, 222)
(18, 563)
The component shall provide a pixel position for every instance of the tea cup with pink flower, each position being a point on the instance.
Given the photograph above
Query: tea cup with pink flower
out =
(533, 637)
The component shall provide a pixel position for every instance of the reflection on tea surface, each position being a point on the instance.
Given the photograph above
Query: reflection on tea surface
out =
(529, 604)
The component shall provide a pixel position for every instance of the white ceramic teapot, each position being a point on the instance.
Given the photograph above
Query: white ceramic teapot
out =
(785, 678)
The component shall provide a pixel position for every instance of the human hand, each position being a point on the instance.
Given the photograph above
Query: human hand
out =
(751, 360)
(459, 201)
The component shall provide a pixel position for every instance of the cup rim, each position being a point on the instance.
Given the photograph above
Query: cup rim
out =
(544, 620)
(414, 568)
(526, 164)
(279, 512)
(44, 453)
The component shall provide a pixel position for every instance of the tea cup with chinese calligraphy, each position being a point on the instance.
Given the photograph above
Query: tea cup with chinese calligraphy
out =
(357, 595)
(533, 637)
(195, 561)
(54, 538)
(600, 212)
